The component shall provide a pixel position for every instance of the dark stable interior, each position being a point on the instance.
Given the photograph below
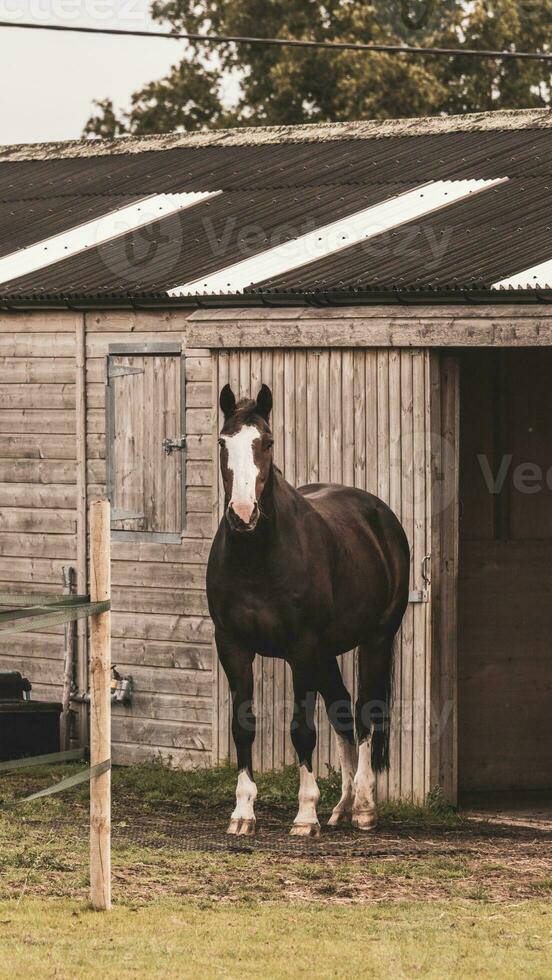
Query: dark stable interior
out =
(505, 571)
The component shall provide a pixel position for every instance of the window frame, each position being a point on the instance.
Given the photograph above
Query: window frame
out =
(144, 350)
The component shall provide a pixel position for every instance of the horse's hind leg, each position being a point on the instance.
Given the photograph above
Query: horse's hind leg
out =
(303, 736)
(372, 725)
(338, 707)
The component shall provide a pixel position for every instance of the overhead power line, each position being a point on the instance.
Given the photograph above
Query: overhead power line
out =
(289, 42)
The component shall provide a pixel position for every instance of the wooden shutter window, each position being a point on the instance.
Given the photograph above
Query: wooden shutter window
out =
(145, 412)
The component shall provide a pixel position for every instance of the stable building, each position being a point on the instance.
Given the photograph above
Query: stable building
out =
(390, 282)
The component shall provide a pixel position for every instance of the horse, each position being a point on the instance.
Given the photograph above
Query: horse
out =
(304, 575)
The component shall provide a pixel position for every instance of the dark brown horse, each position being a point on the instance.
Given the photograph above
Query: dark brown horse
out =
(304, 575)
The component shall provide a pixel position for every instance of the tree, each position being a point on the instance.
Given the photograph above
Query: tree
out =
(278, 86)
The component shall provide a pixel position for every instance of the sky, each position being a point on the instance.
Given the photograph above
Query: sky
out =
(48, 81)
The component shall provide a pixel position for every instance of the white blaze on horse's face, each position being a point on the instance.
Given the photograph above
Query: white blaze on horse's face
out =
(241, 463)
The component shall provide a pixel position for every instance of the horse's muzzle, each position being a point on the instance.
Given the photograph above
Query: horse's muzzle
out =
(237, 524)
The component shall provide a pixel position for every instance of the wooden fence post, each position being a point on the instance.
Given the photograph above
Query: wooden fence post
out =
(100, 707)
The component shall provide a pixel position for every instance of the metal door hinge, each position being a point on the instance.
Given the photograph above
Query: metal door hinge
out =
(120, 370)
(170, 445)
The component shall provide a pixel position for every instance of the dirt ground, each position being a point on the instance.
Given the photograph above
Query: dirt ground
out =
(166, 848)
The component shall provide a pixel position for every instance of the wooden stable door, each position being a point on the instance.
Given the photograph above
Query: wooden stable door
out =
(144, 407)
(361, 418)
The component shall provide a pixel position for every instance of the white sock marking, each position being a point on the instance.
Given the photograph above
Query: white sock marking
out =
(348, 758)
(246, 794)
(365, 780)
(309, 794)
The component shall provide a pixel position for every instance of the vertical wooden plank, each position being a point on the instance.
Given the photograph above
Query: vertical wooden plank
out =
(429, 360)
(418, 554)
(150, 424)
(100, 707)
(264, 667)
(168, 378)
(335, 417)
(325, 359)
(300, 417)
(299, 396)
(381, 439)
(348, 417)
(221, 378)
(290, 425)
(256, 379)
(128, 447)
(353, 426)
(312, 416)
(291, 438)
(234, 372)
(369, 453)
(222, 705)
(245, 375)
(360, 423)
(324, 419)
(407, 517)
(276, 724)
(81, 672)
(394, 500)
(218, 752)
(278, 407)
(373, 410)
(256, 372)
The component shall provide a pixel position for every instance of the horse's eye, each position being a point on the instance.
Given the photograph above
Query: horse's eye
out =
(221, 443)
(270, 444)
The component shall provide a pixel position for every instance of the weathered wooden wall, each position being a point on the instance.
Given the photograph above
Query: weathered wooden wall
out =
(359, 417)
(161, 631)
(38, 478)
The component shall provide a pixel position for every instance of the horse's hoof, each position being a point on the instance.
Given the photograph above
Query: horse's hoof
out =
(365, 820)
(339, 817)
(241, 826)
(305, 830)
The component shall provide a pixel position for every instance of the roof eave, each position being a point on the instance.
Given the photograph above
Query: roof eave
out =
(275, 298)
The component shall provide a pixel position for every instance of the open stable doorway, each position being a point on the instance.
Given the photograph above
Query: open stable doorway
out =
(505, 571)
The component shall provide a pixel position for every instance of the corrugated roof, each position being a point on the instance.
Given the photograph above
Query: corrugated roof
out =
(278, 184)
(476, 242)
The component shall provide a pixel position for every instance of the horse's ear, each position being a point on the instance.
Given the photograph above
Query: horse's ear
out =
(264, 402)
(227, 401)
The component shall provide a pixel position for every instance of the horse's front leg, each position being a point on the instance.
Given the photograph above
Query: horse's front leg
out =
(303, 736)
(237, 662)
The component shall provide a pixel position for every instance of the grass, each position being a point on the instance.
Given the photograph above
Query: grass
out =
(445, 910)
(173, 938)
(216, 787)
